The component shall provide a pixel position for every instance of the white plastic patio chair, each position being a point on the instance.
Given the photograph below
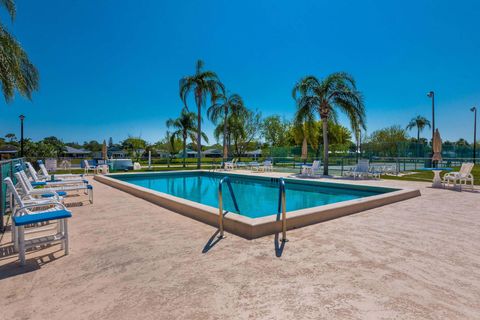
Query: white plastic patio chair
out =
(461, 177)
(311, 170)
(37, 179)
(89, 168)
(267, 166)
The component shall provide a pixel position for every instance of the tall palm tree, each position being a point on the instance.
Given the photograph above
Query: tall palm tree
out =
(336, 91)
(420, 123)
(16, 70)
(202, 83)
(220, 111)
(185, 126)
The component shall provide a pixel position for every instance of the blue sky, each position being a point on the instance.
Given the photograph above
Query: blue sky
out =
(111, 68)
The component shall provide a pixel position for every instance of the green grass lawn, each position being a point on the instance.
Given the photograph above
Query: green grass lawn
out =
(427, 176)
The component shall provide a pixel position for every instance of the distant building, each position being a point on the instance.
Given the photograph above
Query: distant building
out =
(7, 152)
(71, 152)
(189, 154)
(212, 153)
(254, 154)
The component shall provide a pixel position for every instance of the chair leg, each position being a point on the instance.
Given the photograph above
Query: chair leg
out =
(21, 236)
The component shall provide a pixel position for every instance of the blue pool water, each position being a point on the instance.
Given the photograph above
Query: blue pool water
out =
(256, 197)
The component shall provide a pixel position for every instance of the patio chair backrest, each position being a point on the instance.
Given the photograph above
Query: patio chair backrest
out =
(315, 164)
(43, 169)
(465, 169)
(32, 171)
(267, 163)
(13, 191)
(363, 165)
(23, 181)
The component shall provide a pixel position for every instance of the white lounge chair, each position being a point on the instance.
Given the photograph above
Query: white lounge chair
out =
(41, 224)
(38, 180)
(51, 191)
(461, 177)
(362, 169)
(46, 175)
(308, 170)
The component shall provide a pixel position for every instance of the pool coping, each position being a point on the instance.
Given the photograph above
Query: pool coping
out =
(252, 228)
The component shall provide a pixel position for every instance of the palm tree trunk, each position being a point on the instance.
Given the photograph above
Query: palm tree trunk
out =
(325, 146)
(225, 149)
(184, 148)
(199, 137)
(418, 142)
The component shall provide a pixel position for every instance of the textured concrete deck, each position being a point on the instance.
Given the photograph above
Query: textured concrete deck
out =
(130, 259)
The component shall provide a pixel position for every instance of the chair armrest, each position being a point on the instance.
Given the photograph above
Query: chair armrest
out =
(25, 208)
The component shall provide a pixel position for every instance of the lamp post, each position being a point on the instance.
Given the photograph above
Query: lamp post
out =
(431, 94)
(474, 110)
(22, 117)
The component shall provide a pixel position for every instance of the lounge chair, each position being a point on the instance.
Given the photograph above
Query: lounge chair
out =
(39, 180)
(44, 173)
(51, 191)
(361, 170)
(308, 170)
(38, 221)
(461, 177)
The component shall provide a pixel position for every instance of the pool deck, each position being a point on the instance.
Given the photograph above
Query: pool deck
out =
(131, 259)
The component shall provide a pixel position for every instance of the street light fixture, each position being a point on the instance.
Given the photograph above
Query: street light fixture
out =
(474, 110)
(22, 117)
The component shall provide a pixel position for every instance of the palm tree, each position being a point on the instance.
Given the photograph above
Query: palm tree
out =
(202, 83)
(186, 126)
(337, 91)
(221, 109)
(16, 70)
(420, 123)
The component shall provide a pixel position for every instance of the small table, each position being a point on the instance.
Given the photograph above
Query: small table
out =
(437, 180)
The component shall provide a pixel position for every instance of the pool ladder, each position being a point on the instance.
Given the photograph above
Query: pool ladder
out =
(282, 207)
(220, 204)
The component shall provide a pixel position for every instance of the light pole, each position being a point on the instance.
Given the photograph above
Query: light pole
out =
(431, 94)
(474, 110)
(22, 117)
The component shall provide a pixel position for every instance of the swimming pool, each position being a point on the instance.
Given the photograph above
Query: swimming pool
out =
(195, 194)
(256, 196)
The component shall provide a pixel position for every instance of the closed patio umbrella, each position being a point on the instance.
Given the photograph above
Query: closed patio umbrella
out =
(104, 150)
(437, 147)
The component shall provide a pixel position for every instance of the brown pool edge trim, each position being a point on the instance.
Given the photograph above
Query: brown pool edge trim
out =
(255, 228)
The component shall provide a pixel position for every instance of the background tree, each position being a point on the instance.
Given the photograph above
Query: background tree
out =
(386, 142)
(202, 83)
(185, 126)
(55, 143)
(92, 145)
(220, 110)
(11, 137)
(16, 70)
(275, 130)
(135, 146)
(420, 123)
(336, 91)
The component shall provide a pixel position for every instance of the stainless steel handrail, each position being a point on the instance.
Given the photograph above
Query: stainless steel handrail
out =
(282, 207)
(220, 204)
